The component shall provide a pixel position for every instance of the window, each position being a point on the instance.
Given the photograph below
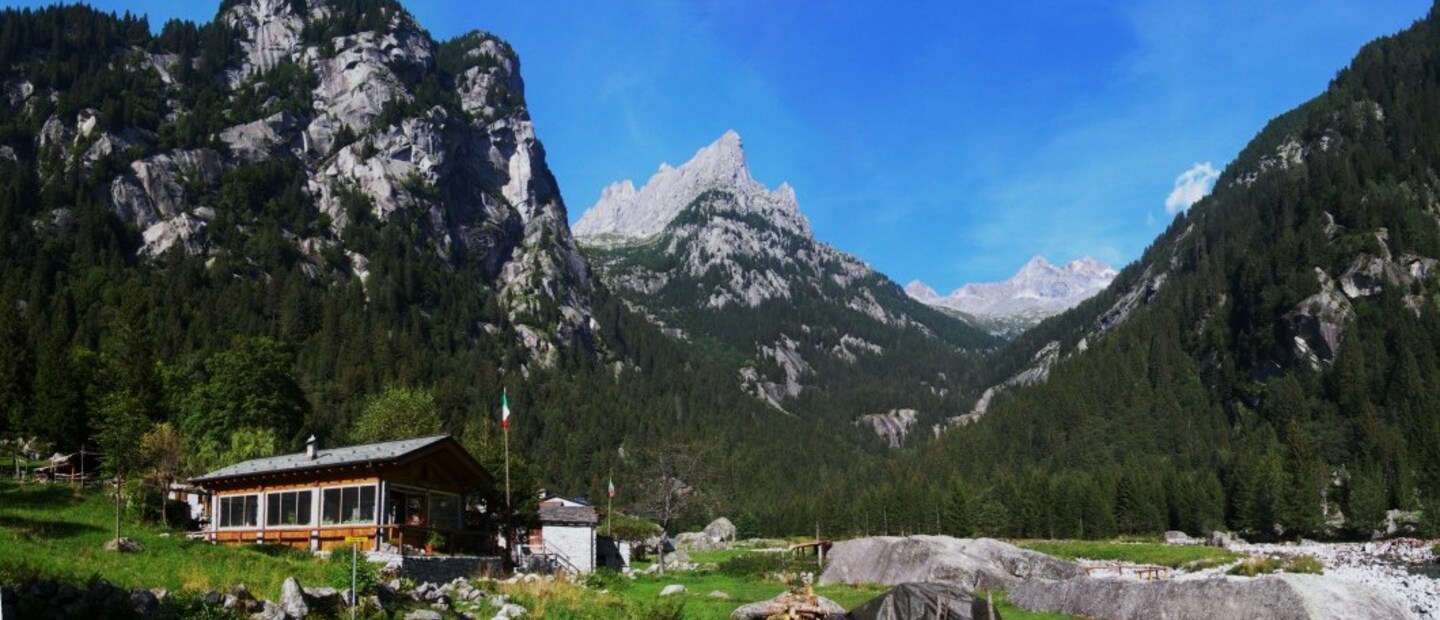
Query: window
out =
(445, 511)
(288, 508)
(239, 511)
(348, 505)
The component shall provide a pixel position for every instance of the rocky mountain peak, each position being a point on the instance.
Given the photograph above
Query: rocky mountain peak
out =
(1037, 291)
(625, 215)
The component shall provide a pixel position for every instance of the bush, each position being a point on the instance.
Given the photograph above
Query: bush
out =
(764, 564)
(672, 608)
(1294, 564)
(337, 572)
(608, 579)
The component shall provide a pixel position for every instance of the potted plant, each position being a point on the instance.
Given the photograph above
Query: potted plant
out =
(434, 541)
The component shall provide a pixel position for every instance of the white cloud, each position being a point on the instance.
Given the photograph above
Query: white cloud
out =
(1190, 187)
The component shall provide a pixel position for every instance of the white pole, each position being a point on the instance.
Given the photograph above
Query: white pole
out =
(354, 559)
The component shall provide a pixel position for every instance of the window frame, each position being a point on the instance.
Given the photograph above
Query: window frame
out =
(308, 508)
(374, 505)
(220, 511)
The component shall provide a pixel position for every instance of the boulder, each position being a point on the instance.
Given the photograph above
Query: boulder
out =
(720, 530)
(145, 603)
(720, 595)
(292, 599)
(791, 605)
(123, 545)
(511, 610)
(269, 611)
(323, 600)
(1220, 539)
(672, 589)
(1176, 537)
(979, 563)
(424, 614)
(1272, 597)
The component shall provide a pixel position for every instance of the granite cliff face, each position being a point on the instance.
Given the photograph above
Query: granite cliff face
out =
(391, 127)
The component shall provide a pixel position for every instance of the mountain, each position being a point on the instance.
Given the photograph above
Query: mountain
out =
(1269, 365)
(1038, 291)
(730, 266)
(251, 227)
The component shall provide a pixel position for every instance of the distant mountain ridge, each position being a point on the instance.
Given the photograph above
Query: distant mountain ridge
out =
(1036, 292)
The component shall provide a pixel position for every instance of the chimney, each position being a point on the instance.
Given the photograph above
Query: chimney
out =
(311, 448)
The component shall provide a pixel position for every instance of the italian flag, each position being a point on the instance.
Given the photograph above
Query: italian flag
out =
(611, 487)
(504, 409)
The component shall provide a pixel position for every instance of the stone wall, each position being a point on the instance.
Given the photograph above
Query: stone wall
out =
(443, 569)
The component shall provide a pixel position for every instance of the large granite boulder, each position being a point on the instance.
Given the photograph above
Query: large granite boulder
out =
(979, 563)
(1272, 597)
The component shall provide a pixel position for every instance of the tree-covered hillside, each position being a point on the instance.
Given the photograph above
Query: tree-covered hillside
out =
(1271, 364)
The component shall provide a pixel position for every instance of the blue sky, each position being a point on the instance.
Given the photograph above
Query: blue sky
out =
(942, 140)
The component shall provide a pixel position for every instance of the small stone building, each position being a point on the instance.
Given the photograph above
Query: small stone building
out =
(566, 534)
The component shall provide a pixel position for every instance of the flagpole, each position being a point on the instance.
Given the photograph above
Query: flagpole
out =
(507, 468)
(610, 507)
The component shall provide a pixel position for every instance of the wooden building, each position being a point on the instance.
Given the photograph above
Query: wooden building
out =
(396, 495)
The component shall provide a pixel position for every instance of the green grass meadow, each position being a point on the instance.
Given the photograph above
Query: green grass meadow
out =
(51, 531)
(1181, 557)
(55, 532)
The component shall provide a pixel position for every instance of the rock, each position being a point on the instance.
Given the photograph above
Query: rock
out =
(145, 603)
(511, 610)
(260, 140)
(692, 541)
(269, 611)
(424, 614)
(123, 545)
(892, 426)
(292, 599)
(979, 563)
(672, 589)
(720, 530)
(719, 595)
(155, 187)
(211, 597)
(786, 604)
(1219, 539)
(1176, 537)
(324, 600)
(1272, 597)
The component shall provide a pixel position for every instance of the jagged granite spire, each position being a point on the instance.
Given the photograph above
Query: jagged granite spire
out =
(626, 215)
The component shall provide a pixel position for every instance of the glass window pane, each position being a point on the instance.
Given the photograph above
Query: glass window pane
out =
(330, 506)
(252, 510)
(304, 506)
(272, 509)
(367, 505)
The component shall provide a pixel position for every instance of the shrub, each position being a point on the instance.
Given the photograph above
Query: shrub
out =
(337, 572)
(1293, 564)
(608, 579)
(763, 564)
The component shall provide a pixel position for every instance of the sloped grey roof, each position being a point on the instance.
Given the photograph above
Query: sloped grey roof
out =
(349, 455)
(568, 514)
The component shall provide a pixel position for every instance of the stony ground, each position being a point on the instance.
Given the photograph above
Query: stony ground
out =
(1405, 567)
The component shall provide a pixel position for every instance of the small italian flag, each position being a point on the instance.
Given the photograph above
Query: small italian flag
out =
(504, 409)
(611, 487)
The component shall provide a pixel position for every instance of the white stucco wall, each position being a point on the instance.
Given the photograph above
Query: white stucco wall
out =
(576, 543)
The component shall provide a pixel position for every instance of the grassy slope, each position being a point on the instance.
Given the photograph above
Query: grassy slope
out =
(49, 531)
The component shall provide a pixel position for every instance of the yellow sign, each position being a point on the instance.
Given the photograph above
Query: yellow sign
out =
(357, 539)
